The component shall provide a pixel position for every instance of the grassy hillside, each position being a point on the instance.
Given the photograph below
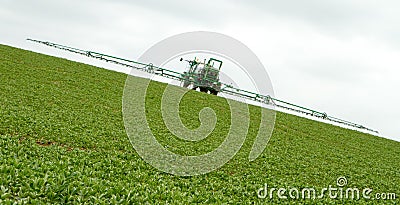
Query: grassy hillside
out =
(63, 141)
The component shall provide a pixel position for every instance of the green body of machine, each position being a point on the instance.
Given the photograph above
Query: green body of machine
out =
(203, 75)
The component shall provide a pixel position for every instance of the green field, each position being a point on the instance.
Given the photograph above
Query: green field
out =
(63, 141)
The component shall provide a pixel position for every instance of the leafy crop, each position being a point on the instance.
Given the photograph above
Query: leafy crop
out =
(63, 141)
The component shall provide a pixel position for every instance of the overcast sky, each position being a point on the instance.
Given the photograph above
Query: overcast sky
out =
(339, 56)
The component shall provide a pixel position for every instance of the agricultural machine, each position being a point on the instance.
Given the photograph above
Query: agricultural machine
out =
(204, 75)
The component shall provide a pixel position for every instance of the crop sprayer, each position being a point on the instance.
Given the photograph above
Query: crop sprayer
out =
(204, 75)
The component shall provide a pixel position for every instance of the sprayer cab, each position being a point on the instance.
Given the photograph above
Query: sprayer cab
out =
(203, 75)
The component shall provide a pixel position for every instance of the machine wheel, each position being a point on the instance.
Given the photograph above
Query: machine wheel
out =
(214, 92)
(203, 89)
(186, 83)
